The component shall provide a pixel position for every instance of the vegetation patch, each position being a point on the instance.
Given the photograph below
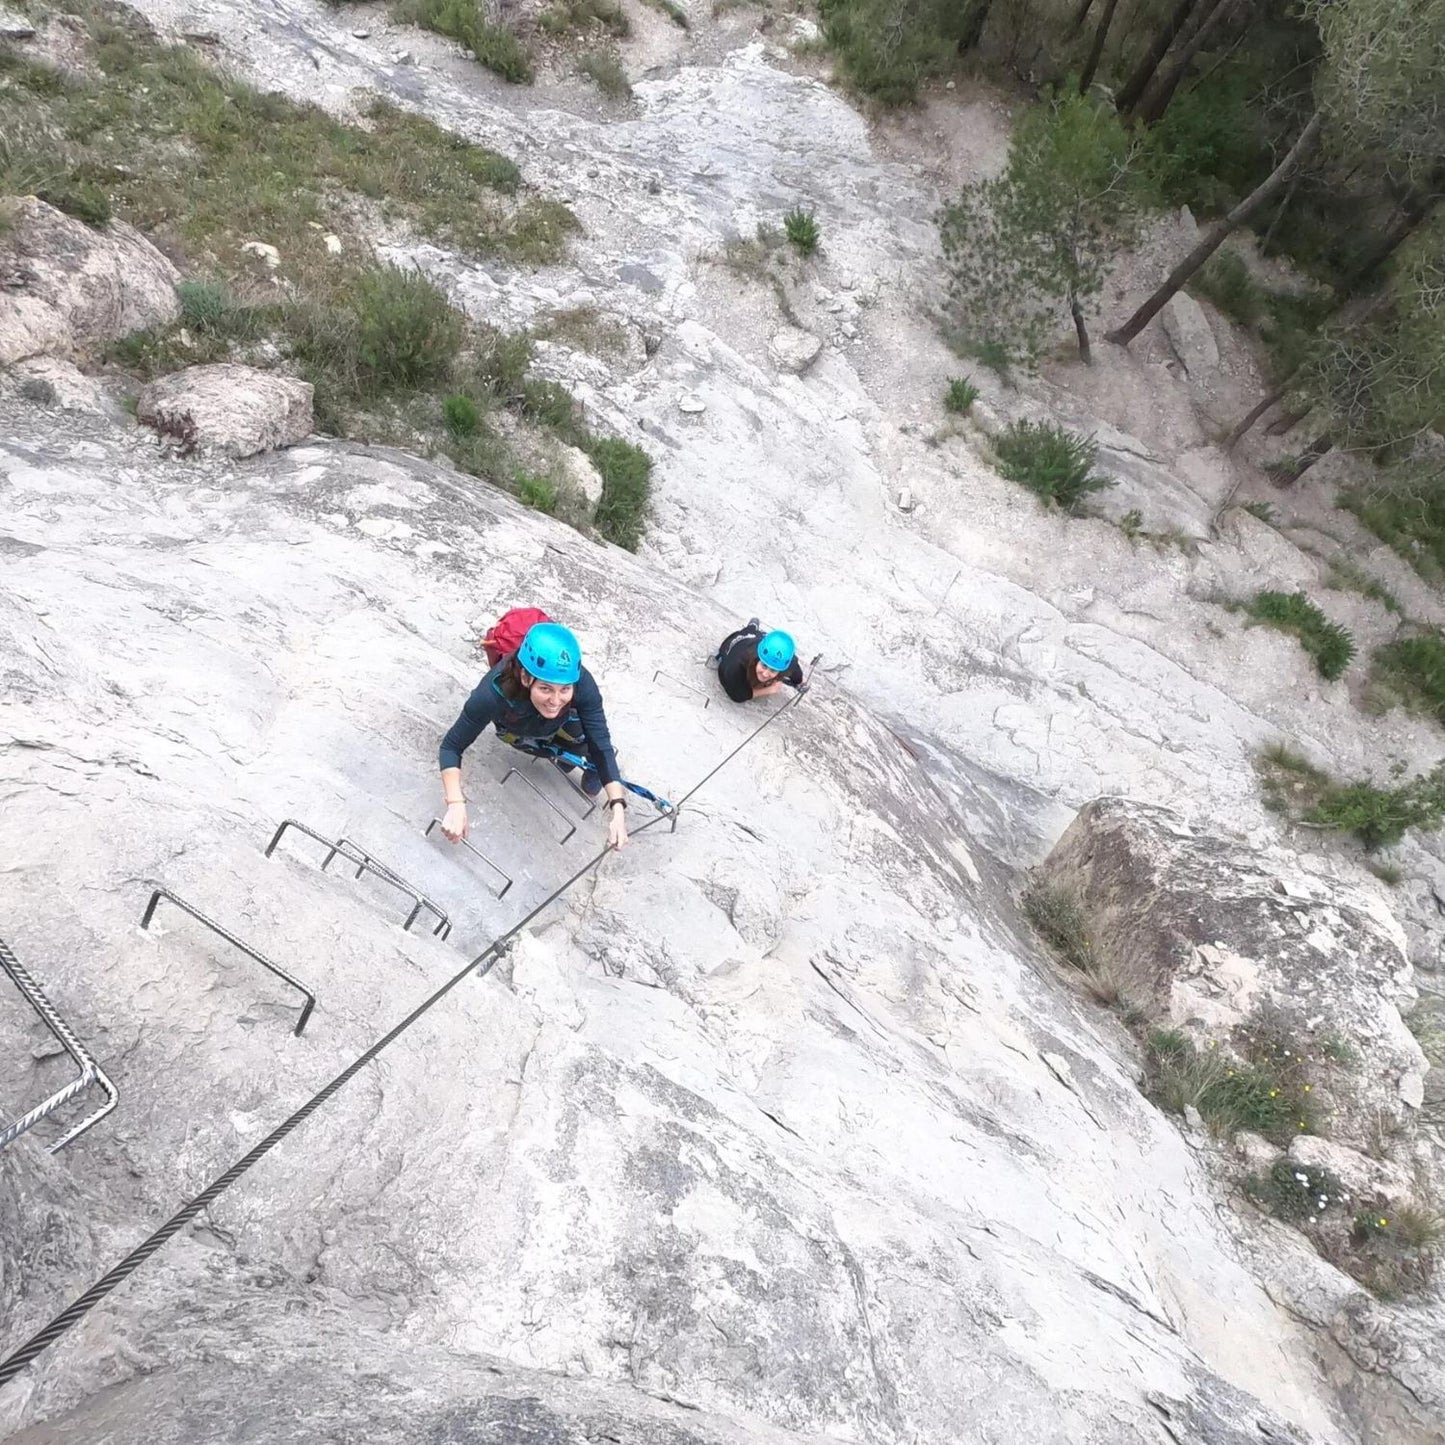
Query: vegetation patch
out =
(960, 396)
(1296, 1193)
(465, 21)
(626, 473)
(1057, 917)
(1230, 1094)
(674, 12)
(1225, 280)
(583, 328)
(1411, 672)
(886, 49)
(604, 69)
(1327, 642)
(563, 16)
(801, 229)
(1051, 461)
(1408, 513)
(1393, 1250)
(1346, 575)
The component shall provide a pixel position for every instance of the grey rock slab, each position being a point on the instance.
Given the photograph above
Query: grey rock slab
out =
(224, 407)
(1190, 335)
(79, 288)
(793, 350)
(14, 26)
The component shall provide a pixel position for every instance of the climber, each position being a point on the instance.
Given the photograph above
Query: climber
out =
(751, 663)
(540, 694)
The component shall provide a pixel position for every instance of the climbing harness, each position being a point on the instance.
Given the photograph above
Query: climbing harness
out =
(482, 964)
(551, 750)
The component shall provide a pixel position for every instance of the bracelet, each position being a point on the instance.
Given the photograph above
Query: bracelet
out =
(455, 802)
(617, 802)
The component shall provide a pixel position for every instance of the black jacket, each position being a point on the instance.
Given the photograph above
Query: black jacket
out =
(736, 657)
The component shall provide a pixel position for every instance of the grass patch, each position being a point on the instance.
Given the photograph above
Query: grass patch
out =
(407, 333)
(1413, 524)
(563, 16)
(604, 69)
(465, 21)
(583, 328)
(1390, 874)
(626, 473)
(1327, 642)
(1346, 575)
(539, 493)
(674, 12)
(461, 416)
(1056, 916)
(801, 229)
(1394, 1249)
(1051, 461)
(1225, 280)
(1262, 510)
(1295, 1193)
(886, 51)
(1411, 672)
(1229, 1094)
(960, 396)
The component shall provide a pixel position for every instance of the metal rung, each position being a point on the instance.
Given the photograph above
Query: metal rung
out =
(437, 822)
(365, 863)
(519, 774)
(90, 1071)
(706, 697)
(235, 943)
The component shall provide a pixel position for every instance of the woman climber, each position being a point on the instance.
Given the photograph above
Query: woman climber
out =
(538, 695)
(752, 663)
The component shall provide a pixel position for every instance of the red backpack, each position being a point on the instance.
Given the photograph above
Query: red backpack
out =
(505, 635)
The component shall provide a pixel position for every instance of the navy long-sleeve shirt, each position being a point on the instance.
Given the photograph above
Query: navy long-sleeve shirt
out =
(487, 705)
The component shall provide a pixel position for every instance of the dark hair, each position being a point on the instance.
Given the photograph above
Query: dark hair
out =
(750, 662)
(510, 683)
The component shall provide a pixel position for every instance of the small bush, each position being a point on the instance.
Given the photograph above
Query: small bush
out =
(1346, 575)
(503, 361)
(1262, 510)
(1394, 1249)
(79, 198)
(564, 15)
(886, 53)
(464, 21)
(1327, 642)
(1413, 670)
(1058, 919)
(551, 404)
(1409, 515)
(604, 70)
(673, 11)
(1296, 1193)
(1230, 1095)
(1225, 280)
(801, 228)
(539, 493)
(960, 396)
(1380, 817)
(1131, 524)
(460, 415)
(407, 333)
(1390, 874)
(993, 354)
(1051, 461)
(626, 473)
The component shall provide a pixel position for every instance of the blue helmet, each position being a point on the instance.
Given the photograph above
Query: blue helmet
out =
(776, 651)
(550, 652)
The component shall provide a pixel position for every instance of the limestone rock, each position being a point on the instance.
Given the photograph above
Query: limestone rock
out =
(584, 475)
(14, 26)
(1190, 334)
(233, 409)
(52, 381)
(1222, 940)
(1363, 1177)
(794, 350)
(75, 288)
(1256, 1151)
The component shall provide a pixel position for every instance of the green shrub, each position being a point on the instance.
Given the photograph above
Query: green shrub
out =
(564, 15)
(604, 70)
(1230, 1094)
(673, 11)
(1380, 817)
(1051, 461)
(503, 361)
(1394, 1249)
(79, 198)
(539, 493)
(465, 21)
(205, 305)
(801, 228)
(961, 395)
(1327, 642)
(551, 404)
(1413, 670)
(1262, 510)
(626, 473)
(1225, 280)
(407, 333)
(460, 415)
(1346, 575)
(1296, 1193)
(886, 48)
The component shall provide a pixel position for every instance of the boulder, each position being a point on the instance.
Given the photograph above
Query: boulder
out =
(1190, 334)
(71, 289)
(579, 470)
(1363, 1178)
(14, 26)
(794, 350)
(50, 381)
(1226, 943)
(228, 408)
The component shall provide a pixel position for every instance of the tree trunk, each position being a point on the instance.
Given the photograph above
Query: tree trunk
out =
(1077, 312)
(1096, 50)
(1267, 239)
(1287, 476)
(1209, 244)
(1287, 421)
(1080, 15)
(1157, 101)
(1415, 208)
(973, 30)
(1245, 422)
(1143, 73)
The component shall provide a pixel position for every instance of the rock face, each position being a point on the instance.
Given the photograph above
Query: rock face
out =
(71, 289)
(228, 408)
(1219, 941)
(1190, 334)
(793, 349)
(51, 381)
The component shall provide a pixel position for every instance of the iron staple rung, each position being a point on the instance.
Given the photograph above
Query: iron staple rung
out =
(90, 1071)
(235, 942)
(662, 672)
(518, 773)
(471, 848)
(353, 853)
